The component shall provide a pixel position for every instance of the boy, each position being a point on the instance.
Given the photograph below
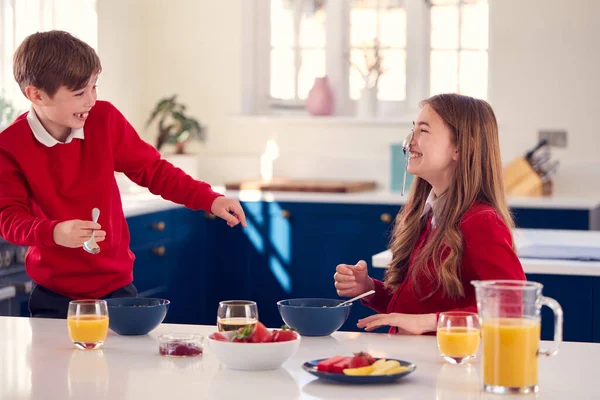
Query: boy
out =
(57, 163)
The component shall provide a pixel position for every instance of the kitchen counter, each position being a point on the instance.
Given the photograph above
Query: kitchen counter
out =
(38, 362)
(149, 201)
(526, 237)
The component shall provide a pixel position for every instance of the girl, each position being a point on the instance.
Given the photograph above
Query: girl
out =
(455, 227)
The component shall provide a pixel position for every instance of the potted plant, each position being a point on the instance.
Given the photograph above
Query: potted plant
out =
(7, 112)
(174, 126)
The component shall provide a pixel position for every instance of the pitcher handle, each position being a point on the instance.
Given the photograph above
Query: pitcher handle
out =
(558, 325)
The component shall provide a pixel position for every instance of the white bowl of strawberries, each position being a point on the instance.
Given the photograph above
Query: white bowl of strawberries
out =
(254, 349)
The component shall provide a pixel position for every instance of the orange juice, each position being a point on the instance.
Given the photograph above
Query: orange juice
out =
(458, 341)
(88, 328)
(510, 347)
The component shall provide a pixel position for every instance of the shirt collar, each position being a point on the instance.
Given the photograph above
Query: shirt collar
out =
(45, 138)
(433, 203)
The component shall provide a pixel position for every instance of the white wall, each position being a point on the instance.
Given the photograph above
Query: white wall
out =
(543, 67)
(122, 26)
(544, 64)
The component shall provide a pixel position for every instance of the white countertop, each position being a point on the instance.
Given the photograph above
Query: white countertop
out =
(549, 237)
(38, 361)
(137, 200)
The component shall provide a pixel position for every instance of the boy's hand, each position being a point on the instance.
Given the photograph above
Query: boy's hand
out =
(75, 232)
(230, 210)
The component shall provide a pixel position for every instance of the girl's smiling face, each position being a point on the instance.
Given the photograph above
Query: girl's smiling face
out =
(433, 151)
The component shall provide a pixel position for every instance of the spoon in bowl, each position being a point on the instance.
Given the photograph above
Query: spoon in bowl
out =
(91, 246)
(360, 296)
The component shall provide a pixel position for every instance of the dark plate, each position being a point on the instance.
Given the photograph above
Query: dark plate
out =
(311, 367)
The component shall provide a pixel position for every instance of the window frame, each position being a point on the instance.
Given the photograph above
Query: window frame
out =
(256, 61)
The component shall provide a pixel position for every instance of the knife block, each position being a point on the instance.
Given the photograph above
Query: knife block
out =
(520, 179)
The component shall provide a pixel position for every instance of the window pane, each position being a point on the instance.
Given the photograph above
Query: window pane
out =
(393, 27)
(473, 73)
(363, 22)
(474, 26)
(282, 23)
(444, 71)
(313, 66)
(357, 81)
(312, 24)
(392, 84)
(282, 73)
(444, 27)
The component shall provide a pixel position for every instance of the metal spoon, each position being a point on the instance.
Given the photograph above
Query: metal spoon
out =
(406, 150)
(91, 246)
(360, 296)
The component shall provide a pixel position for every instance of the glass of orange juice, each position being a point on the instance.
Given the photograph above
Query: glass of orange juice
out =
(88, 323)
(458, 336)
(510, 314)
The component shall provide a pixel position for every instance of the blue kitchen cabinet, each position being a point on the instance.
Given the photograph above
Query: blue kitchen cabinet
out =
(291, 251)
(192, 261)
(549, 218)
(332, 234)
(596, 310)
(151, 240)
(576, 297)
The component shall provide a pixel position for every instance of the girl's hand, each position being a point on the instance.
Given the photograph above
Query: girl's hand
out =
(410, 324)
(352, 280)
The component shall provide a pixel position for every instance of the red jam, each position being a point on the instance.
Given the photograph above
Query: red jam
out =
(180, 349)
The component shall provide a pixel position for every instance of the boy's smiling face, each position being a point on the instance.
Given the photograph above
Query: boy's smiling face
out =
(66, 110)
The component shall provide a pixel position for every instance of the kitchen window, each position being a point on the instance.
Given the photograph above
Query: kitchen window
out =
(20, 18)
(427, 47)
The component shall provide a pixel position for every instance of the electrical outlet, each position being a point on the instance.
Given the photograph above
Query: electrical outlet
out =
(555, 138)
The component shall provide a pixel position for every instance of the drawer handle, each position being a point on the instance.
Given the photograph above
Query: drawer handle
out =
(159, 226)
(286, 214)
(209, 216)
(159, 251)
(386, 218)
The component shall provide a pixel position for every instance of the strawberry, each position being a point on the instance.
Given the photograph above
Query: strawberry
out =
(261, 334)
(242, 335)
(218, 336)
(286, 334)
(361, 359)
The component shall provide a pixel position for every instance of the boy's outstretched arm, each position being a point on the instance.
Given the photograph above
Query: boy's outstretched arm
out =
(142, 163)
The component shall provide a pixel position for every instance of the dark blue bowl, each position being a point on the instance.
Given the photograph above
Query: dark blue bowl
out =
(313, 317)
(135, 315)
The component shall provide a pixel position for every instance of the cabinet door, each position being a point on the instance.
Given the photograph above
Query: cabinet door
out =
(326, 235)
(596, 308)
(575, 295)
(548, 218)
(193, 262)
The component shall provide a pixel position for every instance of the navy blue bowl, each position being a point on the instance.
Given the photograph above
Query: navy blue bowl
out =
(135, 315)
(314, 317)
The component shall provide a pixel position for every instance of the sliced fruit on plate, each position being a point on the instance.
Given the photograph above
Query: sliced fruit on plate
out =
(326, 365)
(383, 367)
(362, 371)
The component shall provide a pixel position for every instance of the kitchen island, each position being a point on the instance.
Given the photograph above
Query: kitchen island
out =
(38, 361)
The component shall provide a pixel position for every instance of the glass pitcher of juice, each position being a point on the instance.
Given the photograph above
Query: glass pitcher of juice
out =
(510, 323)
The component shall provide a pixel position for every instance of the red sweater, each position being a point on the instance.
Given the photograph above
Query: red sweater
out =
(41, 186)
(487, 255)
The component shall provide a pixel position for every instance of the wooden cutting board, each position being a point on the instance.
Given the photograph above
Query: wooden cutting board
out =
(300, 185)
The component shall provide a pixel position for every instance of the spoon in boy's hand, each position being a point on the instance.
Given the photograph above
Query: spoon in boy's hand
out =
(91, 246)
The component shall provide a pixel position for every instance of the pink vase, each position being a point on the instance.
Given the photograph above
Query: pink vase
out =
(320, 98)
